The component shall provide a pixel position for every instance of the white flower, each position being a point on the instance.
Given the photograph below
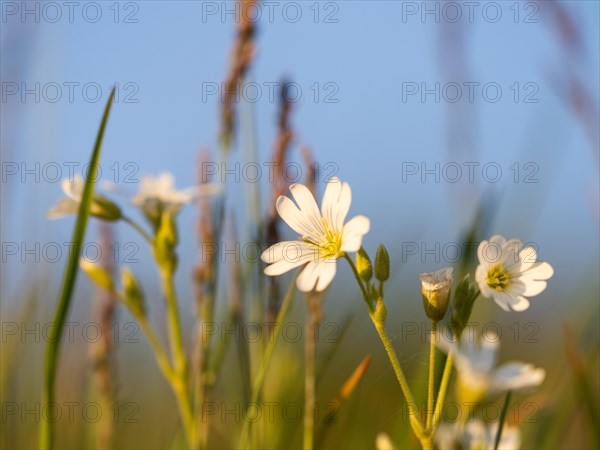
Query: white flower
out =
(509, 273)
(162, 189)
(100, 207)
(383, 442)
(477, 373)
(476, 435)
(323, 235)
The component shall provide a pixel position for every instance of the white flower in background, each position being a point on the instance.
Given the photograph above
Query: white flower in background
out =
(161, 189)
(323, 235)
(383, 442)
(477, 374)
(73, 188)
(476, 435)
(158, 194)
(509, 273)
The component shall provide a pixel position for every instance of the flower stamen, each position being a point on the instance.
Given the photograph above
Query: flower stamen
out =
(498, 278)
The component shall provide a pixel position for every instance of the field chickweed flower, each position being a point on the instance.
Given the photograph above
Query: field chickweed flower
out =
(323, 235)
(477, 374)
(476, 435)
(101, 207)
(158, 193)
(161, 189)
(509, 273)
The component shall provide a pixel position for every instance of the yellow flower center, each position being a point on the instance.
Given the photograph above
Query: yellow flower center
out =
(330, 244)
(498, 278)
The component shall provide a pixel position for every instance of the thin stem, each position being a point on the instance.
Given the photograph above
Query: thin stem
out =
(378, 321)
(502, 419)
(137, 227)
(179, 381)
(262, 371)
(431, 388)
(439, 405)
(415, 422)
(173, 323)
(309, 371)
(159, 353)
(359, 281)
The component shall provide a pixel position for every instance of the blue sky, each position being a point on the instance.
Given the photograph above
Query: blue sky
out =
(364, 61)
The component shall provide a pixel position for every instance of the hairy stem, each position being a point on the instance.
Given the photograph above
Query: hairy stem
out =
(431, 386)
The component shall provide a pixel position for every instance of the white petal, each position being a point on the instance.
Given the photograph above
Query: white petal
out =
(308, 206)
(289, 251)
(539, 271)
(331, 198)
(517, 375)
(353, 233)
(490, 252)
(510, 253)
(64, 206)
(307, 279)
(327, 273)
(343, 206)
(527, 287)
(498, 239)
(501, 300)
(519, 303)
(295, 218)
(480, 276)
(283, 266)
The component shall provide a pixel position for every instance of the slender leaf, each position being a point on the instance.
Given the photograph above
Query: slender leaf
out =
(66, 292)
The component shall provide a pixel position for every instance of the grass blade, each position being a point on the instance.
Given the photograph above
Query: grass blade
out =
(64, 297)
(502, 419)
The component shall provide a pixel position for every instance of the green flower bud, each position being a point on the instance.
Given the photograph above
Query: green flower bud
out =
(105, 209)
(165, 242)
(97, 274)
(464, 298)
(363, 265)
(435, 289)
(382, 264)
(133, 296)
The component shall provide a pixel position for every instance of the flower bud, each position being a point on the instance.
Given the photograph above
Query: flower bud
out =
(464, 298)
(97, 274)
(435, 288)
(133, 296)
(382, 264)
(363, 265)
(166, 242)
(105, 209)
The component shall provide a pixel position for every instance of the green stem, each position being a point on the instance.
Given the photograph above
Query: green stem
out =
(179, 381)
(439, 405)
(379, 322)
(137, 227)
(360, 282)
(159, 353)
(309, 378)
(414, 418)
(431, 387)
(262, 371)
(502, 419)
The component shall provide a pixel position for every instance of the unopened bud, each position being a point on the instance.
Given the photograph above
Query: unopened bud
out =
(382, 264)
(435, 289)
(166, 242)
(97, 274)
(464, 297)
(133, 296)
(363, 265)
